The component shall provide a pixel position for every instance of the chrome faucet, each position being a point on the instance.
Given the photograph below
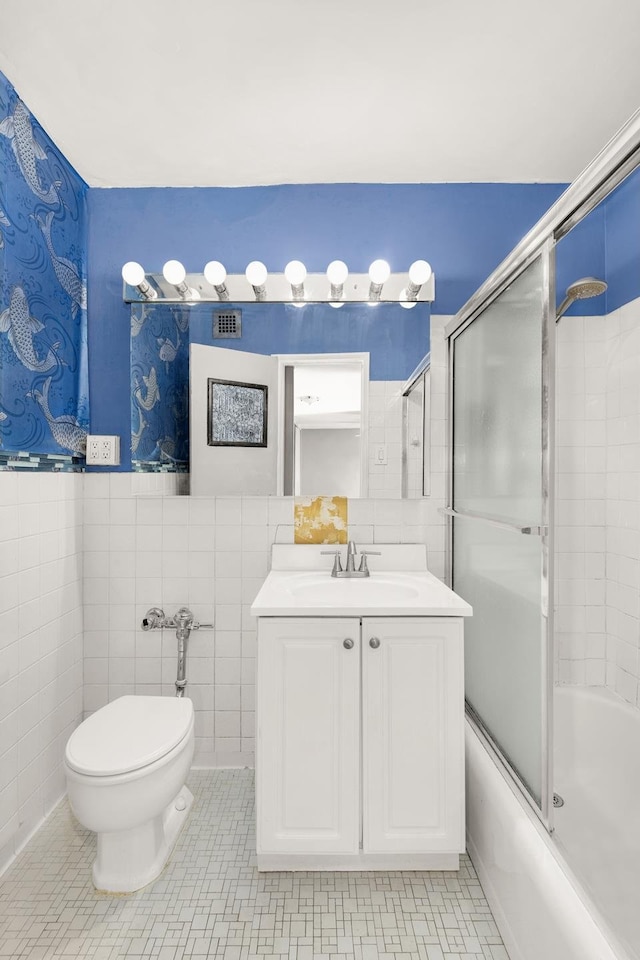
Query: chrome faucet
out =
(350, 569)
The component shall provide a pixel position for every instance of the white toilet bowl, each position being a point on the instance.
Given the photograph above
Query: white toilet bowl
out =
(126, 768)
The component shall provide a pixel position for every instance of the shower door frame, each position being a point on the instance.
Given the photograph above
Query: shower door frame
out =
(546, 254)
(615, 162)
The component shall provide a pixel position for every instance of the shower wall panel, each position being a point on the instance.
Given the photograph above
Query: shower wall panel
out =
(598, 502)
(581, 384)
(623, 502)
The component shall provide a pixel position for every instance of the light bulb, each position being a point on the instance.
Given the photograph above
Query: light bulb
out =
(215, 273)
(407, 304)
(133, 273)
(295, 272)
(419, 272)
(174, 273)
(379, 271)
(336, 303)
(256, 273)
(337, 273)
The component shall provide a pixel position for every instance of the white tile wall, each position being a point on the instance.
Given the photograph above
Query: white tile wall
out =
(623, 502)
(385, 427)
(598, 506)
(40, 644)
(581, 500)
(210, 554)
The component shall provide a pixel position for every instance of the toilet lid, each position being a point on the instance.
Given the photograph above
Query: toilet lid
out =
(127, 734)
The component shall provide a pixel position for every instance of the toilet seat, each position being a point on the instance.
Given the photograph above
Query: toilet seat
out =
(128, 734)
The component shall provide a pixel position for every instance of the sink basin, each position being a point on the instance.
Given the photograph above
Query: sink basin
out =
(300, 585)
(378, 588)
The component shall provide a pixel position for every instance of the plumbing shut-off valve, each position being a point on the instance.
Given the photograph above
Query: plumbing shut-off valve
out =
(183, 623)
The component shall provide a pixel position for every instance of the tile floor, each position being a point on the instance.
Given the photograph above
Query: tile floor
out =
(211, 901)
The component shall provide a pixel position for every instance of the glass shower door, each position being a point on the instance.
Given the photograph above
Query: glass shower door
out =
(500, 506)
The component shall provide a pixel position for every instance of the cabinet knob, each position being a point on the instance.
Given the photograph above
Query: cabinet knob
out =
(347, 644)
(374, 643)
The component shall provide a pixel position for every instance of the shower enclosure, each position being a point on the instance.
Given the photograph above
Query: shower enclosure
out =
(544, 542)
(501, 364)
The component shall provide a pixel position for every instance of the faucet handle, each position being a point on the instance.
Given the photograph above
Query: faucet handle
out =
(153, 619)
(364, 567)
(337, 566)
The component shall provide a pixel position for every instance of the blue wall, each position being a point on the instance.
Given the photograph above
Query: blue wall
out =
(396, 338)
(582, 254)
(463, 230)
(43, 318)
(622, 243)
(57, 238)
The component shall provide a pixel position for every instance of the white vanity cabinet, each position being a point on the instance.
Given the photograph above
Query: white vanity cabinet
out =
(360, 760)
(308, 736)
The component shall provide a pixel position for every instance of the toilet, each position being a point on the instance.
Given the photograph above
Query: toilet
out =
(126, 768)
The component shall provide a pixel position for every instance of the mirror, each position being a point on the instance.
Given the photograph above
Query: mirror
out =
(394, 339)
(325, 412)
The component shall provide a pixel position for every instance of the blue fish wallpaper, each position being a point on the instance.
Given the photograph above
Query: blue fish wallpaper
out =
(44, 397)
(159, 386)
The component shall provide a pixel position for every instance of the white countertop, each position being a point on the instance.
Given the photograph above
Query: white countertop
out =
(300, 585)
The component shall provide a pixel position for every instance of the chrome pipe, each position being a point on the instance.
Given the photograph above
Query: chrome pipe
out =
(181, 679)
(183, 623)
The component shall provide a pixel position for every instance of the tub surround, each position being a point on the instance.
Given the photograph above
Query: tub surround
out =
(598, 533)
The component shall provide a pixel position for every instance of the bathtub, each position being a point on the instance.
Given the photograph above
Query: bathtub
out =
(597, 774)
(540, 903)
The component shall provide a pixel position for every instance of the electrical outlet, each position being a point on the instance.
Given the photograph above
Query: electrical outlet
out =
(103, 451)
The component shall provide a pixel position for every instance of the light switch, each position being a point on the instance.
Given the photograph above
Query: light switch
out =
(381, 453)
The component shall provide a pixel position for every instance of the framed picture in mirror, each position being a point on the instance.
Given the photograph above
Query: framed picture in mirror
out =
(236, 413)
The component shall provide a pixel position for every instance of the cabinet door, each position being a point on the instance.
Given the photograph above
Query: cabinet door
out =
(308, 735)
(413, 757)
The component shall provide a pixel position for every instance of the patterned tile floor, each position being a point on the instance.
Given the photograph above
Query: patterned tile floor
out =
(211, 902)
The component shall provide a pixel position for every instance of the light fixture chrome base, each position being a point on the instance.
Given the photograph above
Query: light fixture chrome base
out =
(278, 289)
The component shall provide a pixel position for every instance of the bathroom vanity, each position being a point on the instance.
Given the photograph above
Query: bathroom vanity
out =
(360, 709)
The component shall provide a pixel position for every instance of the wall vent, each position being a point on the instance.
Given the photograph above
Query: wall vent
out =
(227, 324)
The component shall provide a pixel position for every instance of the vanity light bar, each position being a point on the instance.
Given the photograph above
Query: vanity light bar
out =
(337, 286)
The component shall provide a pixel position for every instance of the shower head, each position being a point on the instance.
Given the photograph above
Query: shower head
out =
(582, 289)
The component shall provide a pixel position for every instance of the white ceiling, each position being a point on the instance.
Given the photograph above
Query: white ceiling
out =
(336, 388)
(238, 92)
